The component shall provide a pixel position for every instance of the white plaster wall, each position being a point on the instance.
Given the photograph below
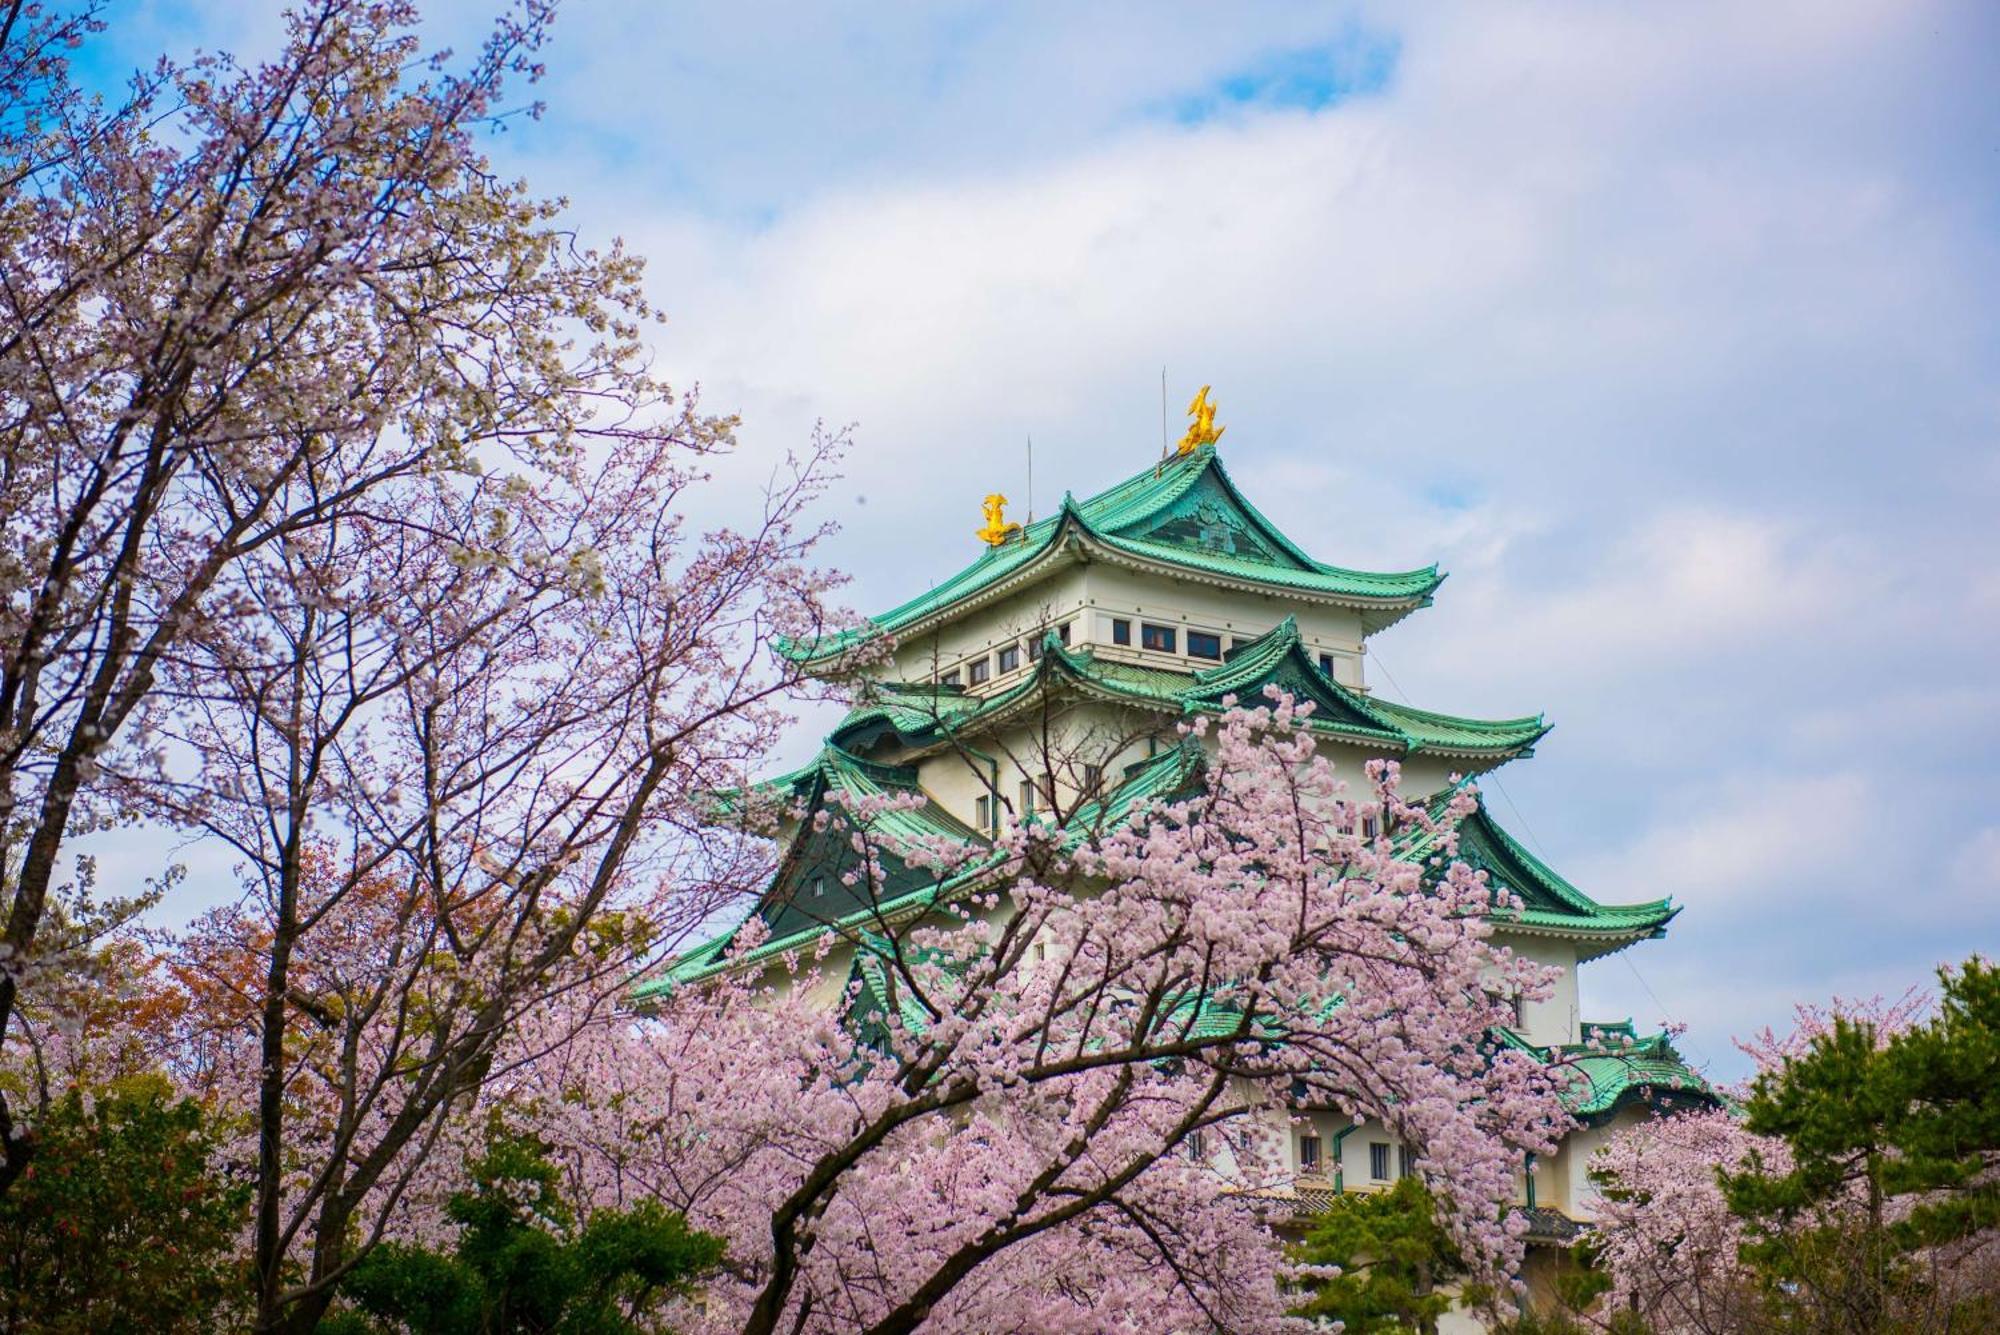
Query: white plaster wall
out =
(1012, 620)
(1580, 1197)
(1112, 738)
(1082, 733)
(1100, 592)
(1557, 1019)
(1111, 591)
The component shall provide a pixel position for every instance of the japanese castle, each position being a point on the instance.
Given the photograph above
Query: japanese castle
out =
(1128, 613)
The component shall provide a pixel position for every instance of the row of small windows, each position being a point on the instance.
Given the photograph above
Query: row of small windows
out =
(1200, 643)
(1378, 1158)
(1166, 639)
(980, 670)
(1034, 795)
(1153, 636)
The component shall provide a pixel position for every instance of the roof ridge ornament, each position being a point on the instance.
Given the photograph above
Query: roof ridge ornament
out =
(997, 529)
(1202, 430)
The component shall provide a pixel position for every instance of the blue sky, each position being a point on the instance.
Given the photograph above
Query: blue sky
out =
(1671, 330)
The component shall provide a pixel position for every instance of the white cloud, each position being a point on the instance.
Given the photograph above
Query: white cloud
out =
(1754, 846)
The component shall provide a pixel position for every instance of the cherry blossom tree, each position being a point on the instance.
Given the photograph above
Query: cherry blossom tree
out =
(461, 749)
(236, 304)
(1666, 1234)
(344, 522)
(1058, 1102)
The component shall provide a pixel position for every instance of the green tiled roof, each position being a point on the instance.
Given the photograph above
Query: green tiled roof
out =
(1183, 513)
(922, 716)
(1619, 1068)
(1549, 903)
(1156, 779)
(837, 771)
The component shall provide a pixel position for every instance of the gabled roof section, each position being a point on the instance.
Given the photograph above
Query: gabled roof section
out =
(1182, 515)
(812, 886)
(836, 773)
(920, 716)
(1157, 779)
(1551, 905)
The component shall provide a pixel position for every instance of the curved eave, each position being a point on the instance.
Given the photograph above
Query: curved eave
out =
(1625, 925)
(1074, 671)
(1607, 1079)
(1072, 534)
(1387, 608)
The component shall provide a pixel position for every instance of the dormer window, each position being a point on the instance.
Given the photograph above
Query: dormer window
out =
(1160, 639)
(979, 670)
(1010, 658)
(1203, 645)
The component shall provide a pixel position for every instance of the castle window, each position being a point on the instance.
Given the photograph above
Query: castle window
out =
(1121, 631)
(1093, 778)
(819, 887)
(1062, 633)
(1406, 1162)
(979, 670)
(982, 811)
(1203, 645)
(948, 678)
(1326, 664)
(1236, 645)
(1160, 639)
(1308, 1154)
(1197, 1145)
(1370, 827)
(1378, 1160)
(1034, 648)
(1010, 658)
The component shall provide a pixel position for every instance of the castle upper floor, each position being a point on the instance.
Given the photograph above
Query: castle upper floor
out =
(1172, 568)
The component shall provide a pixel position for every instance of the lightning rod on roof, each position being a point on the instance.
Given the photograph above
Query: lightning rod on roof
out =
(1031, 477)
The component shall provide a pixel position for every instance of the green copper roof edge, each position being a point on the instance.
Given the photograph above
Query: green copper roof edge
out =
(1077, 666)
(1650, 1062)
(1262, 656)
(1662, 909)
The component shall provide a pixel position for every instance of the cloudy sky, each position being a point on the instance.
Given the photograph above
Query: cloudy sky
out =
(1670, 330)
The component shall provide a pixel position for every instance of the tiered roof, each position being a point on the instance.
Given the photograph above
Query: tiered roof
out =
(1182, 517)
(924, 717)
(1550, 905)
